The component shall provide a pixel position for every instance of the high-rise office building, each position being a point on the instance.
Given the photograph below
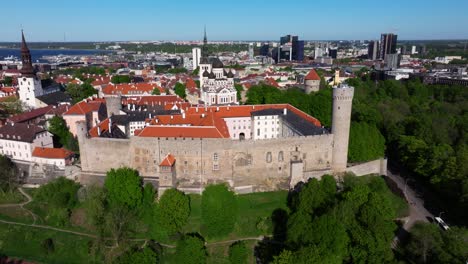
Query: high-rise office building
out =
(373, 50)
(333, 53)
(392, 61)
(265, 49)
(251, 51)
(291, 48)
(196, 55)
(388, 43)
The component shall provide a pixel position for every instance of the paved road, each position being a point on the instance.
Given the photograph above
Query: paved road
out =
(417, 211)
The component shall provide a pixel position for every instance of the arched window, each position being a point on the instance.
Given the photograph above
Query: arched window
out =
(215, 156)
(268, 157)
(280, 156)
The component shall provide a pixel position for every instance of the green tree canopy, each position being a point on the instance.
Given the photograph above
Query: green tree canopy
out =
(238, 253)
(179, 89)
(124, 187)
(191, 250)
(219, 210)
(8, 174)
(116, 79)
(140, 256)
(173, 210)
(58, 127)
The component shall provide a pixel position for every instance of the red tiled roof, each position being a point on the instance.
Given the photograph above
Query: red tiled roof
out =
(85, 107)
(30, 115)
(104, 125)
(168, 161)
(312, 75)
(181, 131)
(51, 153)
(151, 100)
(131, 88)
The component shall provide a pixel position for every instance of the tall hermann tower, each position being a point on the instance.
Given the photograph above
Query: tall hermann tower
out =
(30, 86)
(341, 121)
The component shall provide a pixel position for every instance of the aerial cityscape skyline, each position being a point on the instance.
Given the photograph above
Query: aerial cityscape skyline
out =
(184, 20)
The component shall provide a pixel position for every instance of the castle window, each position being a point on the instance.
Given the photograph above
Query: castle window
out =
(215, 157)
(268, 157)
(280, 156)
(215, 167)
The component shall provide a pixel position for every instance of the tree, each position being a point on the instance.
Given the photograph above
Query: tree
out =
(116, 79)
(156, 91)
(58, 127)
(365, 142)
(286, 257)
(59, 193)
(8, 174)
(219, 210)
(140, 256)
(123, 187)
(173, 210)
(179, 89)
(425, 241)
(95, 207)
(8, 81)
(239, 90)
(238, 253)
(79, 92)
(12, 106)
(118, 222)
(190, 250)
(48, 246)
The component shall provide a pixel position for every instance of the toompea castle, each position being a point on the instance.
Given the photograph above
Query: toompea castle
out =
(173, 143)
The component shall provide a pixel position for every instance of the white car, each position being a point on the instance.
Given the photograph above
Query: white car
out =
(442, 223)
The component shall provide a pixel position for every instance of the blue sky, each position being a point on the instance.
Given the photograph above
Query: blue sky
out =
(101, 20)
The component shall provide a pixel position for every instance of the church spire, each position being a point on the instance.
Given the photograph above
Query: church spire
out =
(27, 69)
(205, 39)
(204, 51)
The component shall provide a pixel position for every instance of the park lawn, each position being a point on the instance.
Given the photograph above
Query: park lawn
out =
(11, 197)
(219, 254)
(253, 208)
(25, 243)
(16, 214)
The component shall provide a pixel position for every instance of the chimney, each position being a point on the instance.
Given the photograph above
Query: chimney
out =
(196, 109)
(110, 126)
(172, 117)
(217, 109)
(99, 130)
(202, 115)
(183, 115)
(285, 111)
(150, 115)
(227, 108)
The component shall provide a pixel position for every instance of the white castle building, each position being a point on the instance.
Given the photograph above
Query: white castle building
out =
(216, 84)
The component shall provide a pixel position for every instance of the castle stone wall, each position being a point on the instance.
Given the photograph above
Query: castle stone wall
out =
(264, 164)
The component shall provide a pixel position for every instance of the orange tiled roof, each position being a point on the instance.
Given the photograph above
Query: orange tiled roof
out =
(85, 107)
(168, 161)
(51, 153)
(151, 100)
(131, 88)
(312, 75)
(181, 131)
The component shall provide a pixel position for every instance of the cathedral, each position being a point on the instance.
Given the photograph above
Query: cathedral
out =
(216, 84)
(30, 86)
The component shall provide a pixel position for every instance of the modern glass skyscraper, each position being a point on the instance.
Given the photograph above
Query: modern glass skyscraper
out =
(388, 44)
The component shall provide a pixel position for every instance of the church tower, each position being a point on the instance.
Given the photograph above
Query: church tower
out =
(205, 64)
(30, 86)
(341, 123)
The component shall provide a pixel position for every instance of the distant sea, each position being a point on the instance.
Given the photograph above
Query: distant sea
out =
(36, 54)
